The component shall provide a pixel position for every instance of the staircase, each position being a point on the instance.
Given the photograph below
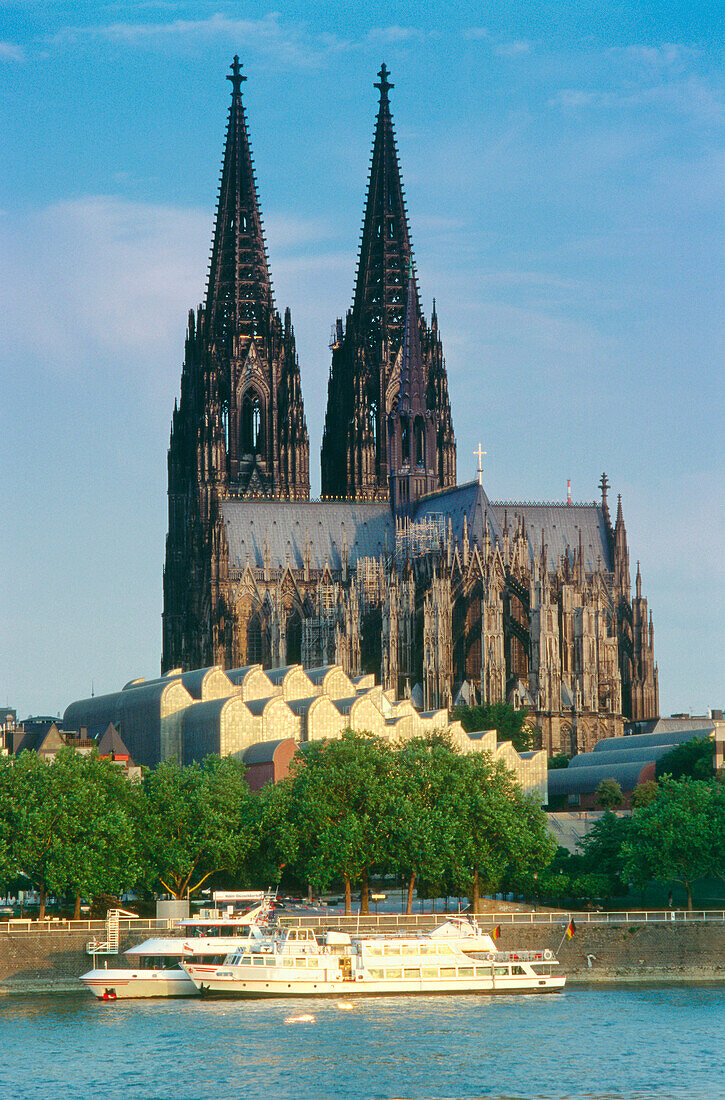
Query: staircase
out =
(109, 946)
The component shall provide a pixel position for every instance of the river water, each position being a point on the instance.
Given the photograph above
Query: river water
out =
(583, 1044)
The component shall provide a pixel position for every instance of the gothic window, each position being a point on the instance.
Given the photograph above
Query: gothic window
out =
(373, 417)
(419, 442)
(254, 641)
(251, 423)
(405, 441)
(294, 639)
(225, 425)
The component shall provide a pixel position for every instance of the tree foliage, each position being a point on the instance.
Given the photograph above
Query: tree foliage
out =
(692, 759)
(609, 794)
(679, 836)
(196, 821)
(510, 724)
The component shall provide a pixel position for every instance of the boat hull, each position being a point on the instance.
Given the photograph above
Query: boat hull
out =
(123, 985)
(218, 986)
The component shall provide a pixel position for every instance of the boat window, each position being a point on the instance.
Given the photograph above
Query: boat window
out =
(287, 960)
(374, 950)
(376, 973)
(448, 972)
(443, 949)
(501, 971)
(259, 960)
(465, 971)
(412, 974)
(430, 971)
(391, 949)
(427, 949)
(313, 963)
(517, 970)
(292, 934)
(299, 962)
(410, 949)
(393, 972)
(483, 972)
(247, 959)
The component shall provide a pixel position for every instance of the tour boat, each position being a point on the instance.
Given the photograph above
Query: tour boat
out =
(295, 964)
(156, 970)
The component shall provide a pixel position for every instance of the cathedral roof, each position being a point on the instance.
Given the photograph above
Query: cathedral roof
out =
(561, 525)
(287, 526)
(467, 500)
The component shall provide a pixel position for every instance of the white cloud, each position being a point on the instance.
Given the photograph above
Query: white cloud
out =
(519, 48)
(289, 43)
(99, 278)
(9, 51)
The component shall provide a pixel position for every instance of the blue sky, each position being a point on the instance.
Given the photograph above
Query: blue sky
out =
(564, 172)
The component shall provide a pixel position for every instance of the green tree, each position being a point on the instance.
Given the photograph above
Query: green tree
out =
(602, 855)
(692, 759)
(499, 832)
(95, 850)
(558, 761)
(609, 794)
(678, 837)
(421, 838)
(67, 825)
(644, 793)
(196, 821)
(338, 807)
(510, 724)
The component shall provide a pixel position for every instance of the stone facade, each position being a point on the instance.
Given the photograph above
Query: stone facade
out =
(399, 571)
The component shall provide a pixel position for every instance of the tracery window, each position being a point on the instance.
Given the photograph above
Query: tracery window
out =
(251, 423)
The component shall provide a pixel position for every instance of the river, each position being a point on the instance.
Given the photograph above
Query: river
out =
(663, 1041)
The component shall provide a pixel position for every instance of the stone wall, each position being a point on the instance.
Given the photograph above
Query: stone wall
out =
(629, 952)
(52, 961)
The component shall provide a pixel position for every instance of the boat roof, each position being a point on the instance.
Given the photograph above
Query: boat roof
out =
(174, 945)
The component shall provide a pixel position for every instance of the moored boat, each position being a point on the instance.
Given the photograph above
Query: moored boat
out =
(295, 964)
(154, 966)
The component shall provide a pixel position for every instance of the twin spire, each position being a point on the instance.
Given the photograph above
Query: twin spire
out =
(384, 357)
(239, 293)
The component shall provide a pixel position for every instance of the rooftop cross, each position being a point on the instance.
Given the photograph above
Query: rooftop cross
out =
(236, 77)
(384, 83)
(479, 453)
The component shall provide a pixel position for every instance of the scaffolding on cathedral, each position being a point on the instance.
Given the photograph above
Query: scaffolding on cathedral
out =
(412, 539)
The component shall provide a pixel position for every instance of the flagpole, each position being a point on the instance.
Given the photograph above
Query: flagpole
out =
(564, 936)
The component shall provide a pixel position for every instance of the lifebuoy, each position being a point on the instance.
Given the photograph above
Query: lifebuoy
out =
(548, 954)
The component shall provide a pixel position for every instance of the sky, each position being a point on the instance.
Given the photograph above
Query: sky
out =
(564, 174)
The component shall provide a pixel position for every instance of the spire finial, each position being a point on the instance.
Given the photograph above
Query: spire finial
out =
(236, 77)
(384, 83)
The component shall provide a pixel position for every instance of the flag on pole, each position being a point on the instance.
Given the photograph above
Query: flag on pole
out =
(496, 932)
(570, 929)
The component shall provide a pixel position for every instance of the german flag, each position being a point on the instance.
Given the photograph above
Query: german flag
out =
(570, 929)
(496, 932)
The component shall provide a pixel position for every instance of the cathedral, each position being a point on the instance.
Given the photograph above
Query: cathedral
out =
(397, 570)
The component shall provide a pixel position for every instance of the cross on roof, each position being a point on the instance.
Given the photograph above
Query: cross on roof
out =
(384, 83)
(479, 454)
(236, 77)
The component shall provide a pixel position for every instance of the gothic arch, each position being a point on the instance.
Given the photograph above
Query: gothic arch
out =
(252, 423)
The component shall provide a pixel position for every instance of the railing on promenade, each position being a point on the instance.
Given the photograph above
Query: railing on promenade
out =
(392, 922)
(55, 924)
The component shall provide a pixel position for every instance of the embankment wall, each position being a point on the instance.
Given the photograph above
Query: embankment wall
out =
(52, 961)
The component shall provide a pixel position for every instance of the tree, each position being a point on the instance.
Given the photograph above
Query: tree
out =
(510, 724)
(196, 821)
(559, 761)
(339, 803)
(644, 793)
(679, 836)
(498, 831)
(421, 829)
(609, 794)
(602, 855)
(67, 825)
(693, 759)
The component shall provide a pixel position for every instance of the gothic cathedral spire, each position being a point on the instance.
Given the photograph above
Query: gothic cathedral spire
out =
(248, 353)
(367, 350)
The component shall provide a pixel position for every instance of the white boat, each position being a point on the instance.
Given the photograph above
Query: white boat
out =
(296, 964)
(154, 968)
